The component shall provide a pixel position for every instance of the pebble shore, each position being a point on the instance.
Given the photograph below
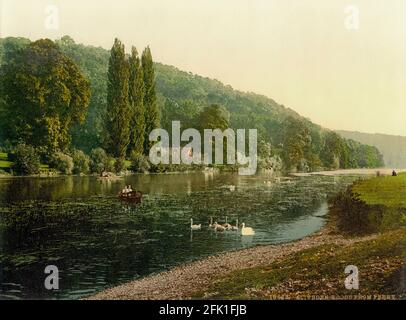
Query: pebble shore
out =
(183, 281)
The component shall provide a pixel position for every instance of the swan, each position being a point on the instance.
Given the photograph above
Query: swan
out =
(194, 226)
(218, 227)
(227, 226)
(231, 188)
(211, 225)
(235, 227)
(247, 231)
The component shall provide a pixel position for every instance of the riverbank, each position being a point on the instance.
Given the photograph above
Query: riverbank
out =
(183, 281)
(311, 267)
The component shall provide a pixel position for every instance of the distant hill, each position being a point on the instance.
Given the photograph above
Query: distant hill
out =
(392, 147)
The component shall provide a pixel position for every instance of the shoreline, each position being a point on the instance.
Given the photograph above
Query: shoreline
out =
(183, 281)
(360, 171)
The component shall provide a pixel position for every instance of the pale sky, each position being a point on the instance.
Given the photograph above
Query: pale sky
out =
(298, 52)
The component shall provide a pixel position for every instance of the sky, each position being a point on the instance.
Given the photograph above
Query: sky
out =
(341, 63)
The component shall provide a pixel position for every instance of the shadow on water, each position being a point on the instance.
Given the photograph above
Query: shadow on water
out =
(78, 224)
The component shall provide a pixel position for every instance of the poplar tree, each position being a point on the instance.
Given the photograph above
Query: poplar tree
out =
(150, 103)
(118, 108)
(136, 100)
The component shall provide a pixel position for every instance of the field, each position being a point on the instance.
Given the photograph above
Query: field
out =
(4, 163)
(388, 191)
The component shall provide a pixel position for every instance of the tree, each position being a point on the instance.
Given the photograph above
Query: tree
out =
(136, 100)
(184, 111)
(213, 117)
(62, 162)
(151, 108)
(99, 161)
(45, 94)
(333, 154)
(80, 162)
(118, 108)
(296, 140)
(26, 160)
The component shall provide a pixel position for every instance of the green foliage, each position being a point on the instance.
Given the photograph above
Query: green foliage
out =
(119, 165)
(171, 94)
(44, 95)
(393, 148)
(62, 162)
(80, 162)
(139, 163)
(296, 140)
(266, 157)
(186, 112)
(136, 100)
(118, 108)
(212, 117)
(371, 205)
(150, 100)
(26, 160)
(99, 161)
(93, 62)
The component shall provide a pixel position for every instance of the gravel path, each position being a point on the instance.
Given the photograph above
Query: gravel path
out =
(183, 281)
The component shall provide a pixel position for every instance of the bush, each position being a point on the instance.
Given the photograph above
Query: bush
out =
(80, 162)
(62, 162)
(139, 163)
(26, 160)
(119, 165)
(99, 161)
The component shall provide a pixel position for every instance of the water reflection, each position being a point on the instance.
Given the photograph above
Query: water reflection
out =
(78, 224)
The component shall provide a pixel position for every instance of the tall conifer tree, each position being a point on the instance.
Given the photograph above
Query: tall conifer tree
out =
(136, 100)
(118, 108)
(151, 108)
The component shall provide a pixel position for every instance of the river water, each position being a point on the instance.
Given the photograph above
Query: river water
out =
(96, 241)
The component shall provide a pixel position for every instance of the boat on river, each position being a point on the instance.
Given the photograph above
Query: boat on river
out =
(131, 196)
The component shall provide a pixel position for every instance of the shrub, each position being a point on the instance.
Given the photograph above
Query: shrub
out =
(99, 161)
(139, 163)
(80, 162)
(26, 160)
(62, 162)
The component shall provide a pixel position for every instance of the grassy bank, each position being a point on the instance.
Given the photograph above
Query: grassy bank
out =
(319, 271)
(369, 206)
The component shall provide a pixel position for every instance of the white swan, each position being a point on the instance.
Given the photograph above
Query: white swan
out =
(194, 226)
(218, 227)
(227, 226)
(231, 188)
(211, 223)
(247, 231)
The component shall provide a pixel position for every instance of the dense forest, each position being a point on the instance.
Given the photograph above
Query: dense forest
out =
(393, 147)
(103, 103)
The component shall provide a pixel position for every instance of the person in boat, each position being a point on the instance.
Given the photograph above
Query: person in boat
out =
(394, 174)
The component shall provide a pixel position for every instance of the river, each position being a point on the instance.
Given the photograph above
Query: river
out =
(96, 241)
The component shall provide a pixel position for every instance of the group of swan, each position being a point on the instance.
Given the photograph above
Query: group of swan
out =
(245, 231)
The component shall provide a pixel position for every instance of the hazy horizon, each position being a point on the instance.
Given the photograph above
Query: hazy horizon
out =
(300, 55)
